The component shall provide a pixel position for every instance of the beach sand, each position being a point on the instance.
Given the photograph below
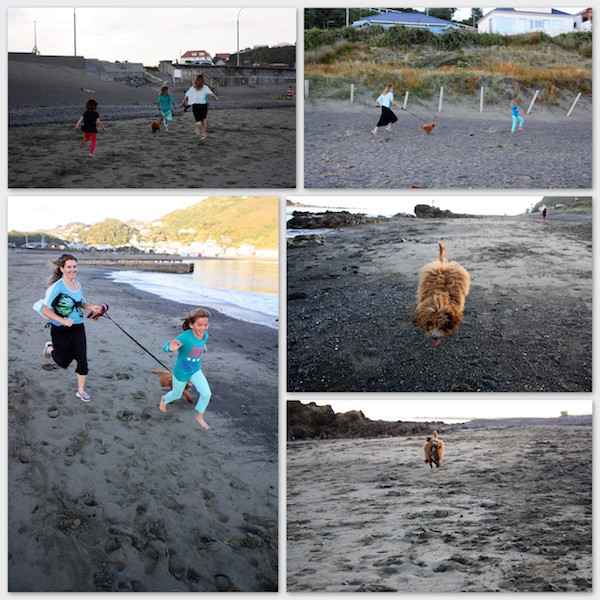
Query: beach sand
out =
(466, 150)
(527, 321)
(510, 509)
(251, 141)
(116, 496)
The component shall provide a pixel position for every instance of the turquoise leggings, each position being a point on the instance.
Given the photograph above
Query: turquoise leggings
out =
(515, 117)
(199, 381)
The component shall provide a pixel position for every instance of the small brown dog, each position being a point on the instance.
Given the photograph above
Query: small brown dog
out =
(427, 127)
(441, 295)
(434, 450)
(155, 126)
(166, 380)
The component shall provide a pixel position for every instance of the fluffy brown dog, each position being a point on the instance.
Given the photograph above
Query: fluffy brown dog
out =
(155, 126)
(166, 380)
(441, 295)
(434, 450)
(427, 127)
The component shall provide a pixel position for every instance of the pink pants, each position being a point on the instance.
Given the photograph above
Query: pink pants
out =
(90, 136)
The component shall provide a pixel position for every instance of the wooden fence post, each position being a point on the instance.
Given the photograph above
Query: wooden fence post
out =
(441, 98)
(306, 88)
(406, 99)
(573, 105)
(351, 93)
(481, 100)
(533, 101)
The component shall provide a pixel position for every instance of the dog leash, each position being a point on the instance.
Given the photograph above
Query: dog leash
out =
(413, 114)
(104, 312)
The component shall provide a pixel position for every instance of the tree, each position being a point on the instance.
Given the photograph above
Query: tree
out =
(442, 13)
(476, 14)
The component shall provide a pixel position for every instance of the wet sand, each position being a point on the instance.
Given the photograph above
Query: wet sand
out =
(116, 496)
(466, 150)
(527, 321)
(244, 148)
(510, 509)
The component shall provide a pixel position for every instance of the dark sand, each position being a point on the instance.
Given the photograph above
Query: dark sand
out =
(466, 150)
(527, 321)
(116, 496)
(251, 139)
(510, 509)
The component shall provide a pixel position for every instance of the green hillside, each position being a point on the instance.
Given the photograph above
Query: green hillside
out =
(109, 231)
(239, 221)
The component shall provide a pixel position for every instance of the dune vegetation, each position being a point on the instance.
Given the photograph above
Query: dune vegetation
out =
(462, 62)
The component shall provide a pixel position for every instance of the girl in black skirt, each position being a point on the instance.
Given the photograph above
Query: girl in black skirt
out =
(385, 100)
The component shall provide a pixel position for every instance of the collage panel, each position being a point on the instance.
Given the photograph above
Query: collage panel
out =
(143, 394)
(483, 294)
(437, 496)
(446, 98)
(152, 97)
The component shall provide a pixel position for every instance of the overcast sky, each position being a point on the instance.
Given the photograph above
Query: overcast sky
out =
(30, 213)
(148, 35)
(483, 205)
(397, 408)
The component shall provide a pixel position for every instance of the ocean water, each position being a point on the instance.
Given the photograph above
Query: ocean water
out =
(242, 289)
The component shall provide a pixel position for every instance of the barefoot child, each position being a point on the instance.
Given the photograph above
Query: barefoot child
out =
(165, 100)
(90, 119)
(385, 101)
(190, 345)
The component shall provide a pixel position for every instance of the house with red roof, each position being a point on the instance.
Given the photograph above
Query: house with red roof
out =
(194, 56)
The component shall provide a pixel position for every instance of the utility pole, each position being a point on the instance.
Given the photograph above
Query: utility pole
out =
(74, 33)
(35, 48)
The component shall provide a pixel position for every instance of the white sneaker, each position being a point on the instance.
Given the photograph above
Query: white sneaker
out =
(83, 396)
(48, 350)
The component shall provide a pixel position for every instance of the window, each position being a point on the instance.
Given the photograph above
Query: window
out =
(506, 25)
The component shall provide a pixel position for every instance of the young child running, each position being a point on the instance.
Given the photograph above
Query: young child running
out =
(516, 117)
(165, 100)
(90, 119)
(385, 100)
(190, 345)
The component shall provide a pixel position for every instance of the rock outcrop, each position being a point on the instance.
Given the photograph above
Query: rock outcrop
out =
(310, 421)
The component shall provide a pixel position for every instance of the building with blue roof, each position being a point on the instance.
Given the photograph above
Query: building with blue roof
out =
(407, 19)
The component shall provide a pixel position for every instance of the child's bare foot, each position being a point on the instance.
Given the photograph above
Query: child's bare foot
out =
(162, 406)
(200, 419)
(82, 144)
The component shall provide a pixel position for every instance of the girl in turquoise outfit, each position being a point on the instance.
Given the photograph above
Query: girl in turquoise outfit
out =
(190, 345)
(516, 117)
(165, 101)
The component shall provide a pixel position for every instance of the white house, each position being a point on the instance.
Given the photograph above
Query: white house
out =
(511, 21)
(194, 57)
(583, 20)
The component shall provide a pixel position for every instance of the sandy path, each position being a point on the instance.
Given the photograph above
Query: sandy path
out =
(467, 150)
(527, 322)
(509, 510)
(115, 496)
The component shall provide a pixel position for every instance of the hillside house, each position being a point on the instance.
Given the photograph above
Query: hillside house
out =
(583, 20)
(221, 59)
(194, 57)
(406, 19)
(511, 21)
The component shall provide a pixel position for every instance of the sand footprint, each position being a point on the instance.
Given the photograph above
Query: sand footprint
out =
(224, 584)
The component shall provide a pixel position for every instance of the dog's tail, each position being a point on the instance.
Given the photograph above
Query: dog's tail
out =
(156, 371)
(442, 251)
(435, 435)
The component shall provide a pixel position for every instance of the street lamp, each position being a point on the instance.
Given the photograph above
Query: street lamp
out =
(238, 35)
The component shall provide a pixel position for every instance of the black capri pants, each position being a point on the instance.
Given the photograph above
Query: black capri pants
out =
(69, 343)
(200, 111)
(387, 117)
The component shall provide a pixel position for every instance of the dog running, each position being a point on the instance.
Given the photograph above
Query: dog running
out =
(166, 381)
(427, 127)
(155, 125)
(434, 450)
(441, 294)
